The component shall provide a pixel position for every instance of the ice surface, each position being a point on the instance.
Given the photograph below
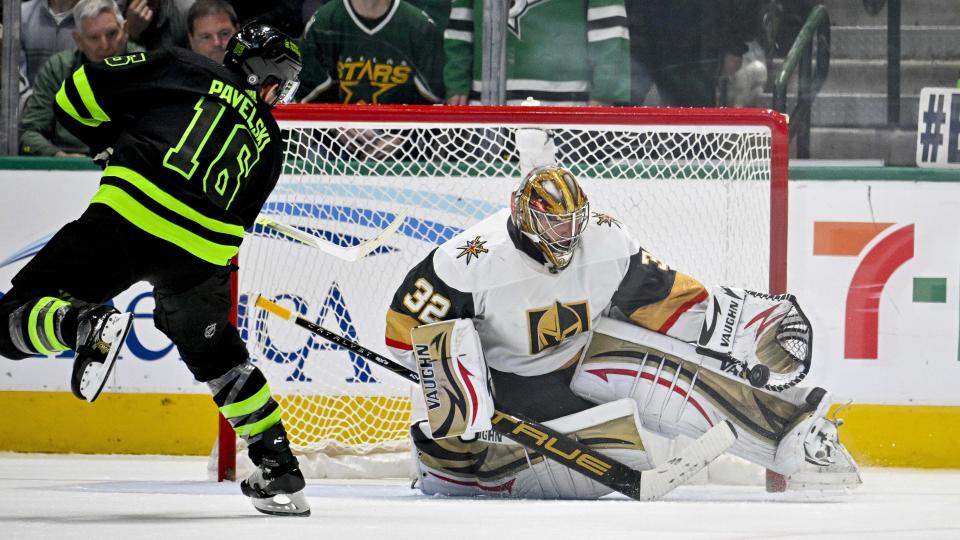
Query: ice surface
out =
(106, 497)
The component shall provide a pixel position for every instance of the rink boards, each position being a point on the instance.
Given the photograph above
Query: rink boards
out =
(846, 236)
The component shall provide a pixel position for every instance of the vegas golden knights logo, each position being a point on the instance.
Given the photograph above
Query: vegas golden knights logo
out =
(549, 326)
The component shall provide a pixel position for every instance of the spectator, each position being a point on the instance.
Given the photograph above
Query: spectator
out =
(285, 15)
(308, 8)
(371, 52)
(156, 23)
(438, 10)
(686, 47)
(100, 34)
(211, 24)
(564, 52)
(783, 21)
(46, 27)
(183, 6)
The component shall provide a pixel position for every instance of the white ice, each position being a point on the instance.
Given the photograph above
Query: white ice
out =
(106, 497)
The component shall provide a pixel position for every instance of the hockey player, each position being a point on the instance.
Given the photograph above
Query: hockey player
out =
(565, 310)
(191, 153)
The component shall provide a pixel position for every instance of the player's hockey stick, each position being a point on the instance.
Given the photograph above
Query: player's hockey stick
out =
(642, 486)
(352, 253)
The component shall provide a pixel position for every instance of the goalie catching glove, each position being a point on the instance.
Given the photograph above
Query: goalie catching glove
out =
(764, 339)
(453, 378)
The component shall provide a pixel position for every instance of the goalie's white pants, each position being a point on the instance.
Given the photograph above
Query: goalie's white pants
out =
(498, 467)
(677, 393)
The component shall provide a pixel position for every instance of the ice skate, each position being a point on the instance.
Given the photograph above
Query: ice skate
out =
(101, 331)
(277, 491)
(276, 487)
(827, 465)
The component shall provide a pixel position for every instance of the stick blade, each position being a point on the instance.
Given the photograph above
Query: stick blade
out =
(365, 248)
(349, 254)
(656, 483)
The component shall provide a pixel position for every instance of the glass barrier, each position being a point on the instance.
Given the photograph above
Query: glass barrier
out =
(848, 72)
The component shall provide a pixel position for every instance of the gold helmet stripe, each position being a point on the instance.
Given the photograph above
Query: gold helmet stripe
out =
(557, 187)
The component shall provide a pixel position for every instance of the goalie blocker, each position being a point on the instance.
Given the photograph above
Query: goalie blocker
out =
(453, 378)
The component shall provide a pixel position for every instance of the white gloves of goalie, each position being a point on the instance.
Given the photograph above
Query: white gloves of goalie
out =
(762, 338)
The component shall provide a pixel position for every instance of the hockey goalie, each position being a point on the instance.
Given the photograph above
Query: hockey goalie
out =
(554, 311)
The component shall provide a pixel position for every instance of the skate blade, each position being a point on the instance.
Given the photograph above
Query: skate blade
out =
(95, 375)
(678, 469)
(841, 476)
(293, 504)
(824, 481)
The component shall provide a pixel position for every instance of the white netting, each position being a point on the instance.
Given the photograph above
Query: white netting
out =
(698, 197)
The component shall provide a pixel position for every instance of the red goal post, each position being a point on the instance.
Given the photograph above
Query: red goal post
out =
(695, 185)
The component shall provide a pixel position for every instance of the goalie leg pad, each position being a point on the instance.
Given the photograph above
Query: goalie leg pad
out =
(453, 377)
(494, 466)
(677, 394)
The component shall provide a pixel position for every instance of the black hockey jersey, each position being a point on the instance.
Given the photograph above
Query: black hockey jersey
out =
(195, 152)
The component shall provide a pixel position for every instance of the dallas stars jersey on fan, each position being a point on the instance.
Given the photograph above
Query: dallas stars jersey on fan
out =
(399, 60)
(561, 52)
(531, 321)
(195, 152)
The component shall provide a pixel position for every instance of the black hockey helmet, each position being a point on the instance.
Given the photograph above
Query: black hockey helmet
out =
(263, 54)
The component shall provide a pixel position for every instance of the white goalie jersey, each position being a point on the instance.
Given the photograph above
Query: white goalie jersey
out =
(531, 321)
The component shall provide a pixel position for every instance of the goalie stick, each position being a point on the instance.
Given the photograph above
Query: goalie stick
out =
(642, 486)
(352, 253)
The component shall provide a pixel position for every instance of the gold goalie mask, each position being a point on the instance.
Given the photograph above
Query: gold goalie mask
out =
(552, 210)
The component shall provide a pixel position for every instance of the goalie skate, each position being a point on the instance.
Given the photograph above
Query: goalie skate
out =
(828, 465)
(102, 332)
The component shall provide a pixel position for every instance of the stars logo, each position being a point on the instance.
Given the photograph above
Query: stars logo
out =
(472, 249)
(365, 81)
(519, 8)
(606, 219)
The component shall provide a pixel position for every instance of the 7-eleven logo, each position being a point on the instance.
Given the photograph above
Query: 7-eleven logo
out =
(877, 264)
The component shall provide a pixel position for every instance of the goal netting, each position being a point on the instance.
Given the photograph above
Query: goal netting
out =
(704, 190)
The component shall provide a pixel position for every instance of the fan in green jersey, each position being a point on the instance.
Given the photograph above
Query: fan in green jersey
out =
(384, 52)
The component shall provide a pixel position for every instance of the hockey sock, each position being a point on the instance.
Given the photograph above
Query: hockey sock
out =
(244, 399)
(45, 325)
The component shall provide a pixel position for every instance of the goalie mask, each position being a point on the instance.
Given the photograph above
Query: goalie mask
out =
(551, 210)
(263, 55)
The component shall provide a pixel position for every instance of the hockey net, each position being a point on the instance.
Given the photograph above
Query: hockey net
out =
(704, 190)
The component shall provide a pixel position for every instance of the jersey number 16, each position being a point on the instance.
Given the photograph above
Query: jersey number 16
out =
(231, 164)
